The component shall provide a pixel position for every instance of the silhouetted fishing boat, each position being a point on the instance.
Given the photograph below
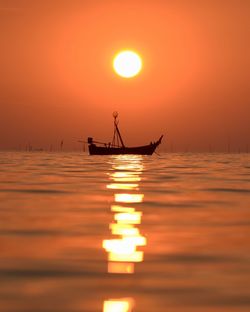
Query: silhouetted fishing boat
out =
(117, 146)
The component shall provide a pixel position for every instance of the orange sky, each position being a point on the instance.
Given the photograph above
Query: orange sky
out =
(57, 80)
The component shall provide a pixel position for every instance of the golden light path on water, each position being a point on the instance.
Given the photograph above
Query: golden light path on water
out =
(123, 250)
(124, 305)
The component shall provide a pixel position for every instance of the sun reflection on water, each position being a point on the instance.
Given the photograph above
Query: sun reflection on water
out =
(128, 198)
(118, 305)
(123, 250)
(125, 176)
(122, 186)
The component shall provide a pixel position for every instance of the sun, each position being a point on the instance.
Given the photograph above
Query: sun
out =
(127, 64)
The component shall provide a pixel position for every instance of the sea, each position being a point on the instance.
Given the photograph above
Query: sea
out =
(128, 233)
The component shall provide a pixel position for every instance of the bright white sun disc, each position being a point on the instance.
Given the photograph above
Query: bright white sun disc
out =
(127, 64)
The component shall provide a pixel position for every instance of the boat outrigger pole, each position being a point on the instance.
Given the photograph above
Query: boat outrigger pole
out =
(117, 135)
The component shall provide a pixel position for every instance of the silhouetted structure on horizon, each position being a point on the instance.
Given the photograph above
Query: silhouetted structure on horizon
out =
(118, 147)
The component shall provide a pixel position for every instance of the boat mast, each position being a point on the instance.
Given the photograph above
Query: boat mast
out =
(117, 135)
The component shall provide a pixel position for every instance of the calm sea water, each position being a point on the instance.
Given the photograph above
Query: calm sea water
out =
(83, 233)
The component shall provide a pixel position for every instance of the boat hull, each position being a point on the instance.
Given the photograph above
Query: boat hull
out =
(139, 150)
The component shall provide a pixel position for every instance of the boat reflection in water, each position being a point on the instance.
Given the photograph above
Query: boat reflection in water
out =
(124, 249)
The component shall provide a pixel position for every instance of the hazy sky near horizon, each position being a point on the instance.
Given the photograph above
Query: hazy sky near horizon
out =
(57, 80)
